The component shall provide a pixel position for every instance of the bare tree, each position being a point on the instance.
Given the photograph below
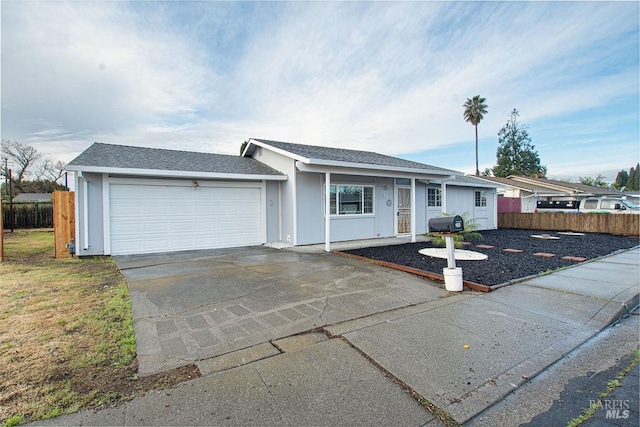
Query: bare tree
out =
(51, 170)
(22, 155)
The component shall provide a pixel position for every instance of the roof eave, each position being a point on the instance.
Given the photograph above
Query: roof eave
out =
(368, 170)
(175, 174)
(374, 167)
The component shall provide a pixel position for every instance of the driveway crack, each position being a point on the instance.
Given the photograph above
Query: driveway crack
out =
(389, 291)
(324, 309)
(273, 397)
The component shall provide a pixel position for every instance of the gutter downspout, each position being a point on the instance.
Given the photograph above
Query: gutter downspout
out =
(85, 211)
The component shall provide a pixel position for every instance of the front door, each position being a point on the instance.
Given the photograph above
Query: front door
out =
(404, 210)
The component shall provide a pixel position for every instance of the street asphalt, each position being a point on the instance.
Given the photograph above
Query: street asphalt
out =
(364, 345)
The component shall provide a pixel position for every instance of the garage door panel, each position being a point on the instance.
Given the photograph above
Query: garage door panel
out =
(146, 218)
(183, 226)
(119, 229)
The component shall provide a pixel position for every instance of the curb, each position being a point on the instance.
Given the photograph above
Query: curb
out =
(625, 309)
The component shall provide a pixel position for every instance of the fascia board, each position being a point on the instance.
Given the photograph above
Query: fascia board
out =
(174, 174)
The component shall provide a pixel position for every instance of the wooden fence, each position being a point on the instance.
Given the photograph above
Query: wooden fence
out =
(28, 215)
(509, 204)
(622, 224)
(64, 223)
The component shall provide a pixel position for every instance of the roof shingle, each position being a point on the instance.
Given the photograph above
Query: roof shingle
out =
(128, 157)
(314, 152)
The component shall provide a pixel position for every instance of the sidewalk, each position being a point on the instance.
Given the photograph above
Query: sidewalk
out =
(566, 389)
(459, 354)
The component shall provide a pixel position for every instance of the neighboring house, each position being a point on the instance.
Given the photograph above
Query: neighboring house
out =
(140, 200)
(33, 198)
(526, 194)
(536, 191)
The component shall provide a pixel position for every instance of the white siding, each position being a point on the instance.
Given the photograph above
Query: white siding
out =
(286, 166)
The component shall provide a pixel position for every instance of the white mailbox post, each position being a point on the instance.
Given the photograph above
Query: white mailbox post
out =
(447, 227)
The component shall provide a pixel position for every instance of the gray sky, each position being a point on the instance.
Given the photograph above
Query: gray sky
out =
(386, 77)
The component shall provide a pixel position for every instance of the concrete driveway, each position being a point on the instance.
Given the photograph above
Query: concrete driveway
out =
(192, 306)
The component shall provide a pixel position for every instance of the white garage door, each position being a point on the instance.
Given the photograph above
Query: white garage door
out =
(153, 218)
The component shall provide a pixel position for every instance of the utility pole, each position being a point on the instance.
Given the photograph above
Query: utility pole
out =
(6, 176)
(10, 201)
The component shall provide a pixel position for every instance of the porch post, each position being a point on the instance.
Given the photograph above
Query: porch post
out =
(327, 211)
(443, 196)
(413, 210)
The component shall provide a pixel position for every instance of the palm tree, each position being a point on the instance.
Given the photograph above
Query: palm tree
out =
(474, 111)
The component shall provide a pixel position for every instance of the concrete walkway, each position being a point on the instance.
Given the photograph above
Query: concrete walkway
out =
(460, 355)
(563, 391)
(512, 334)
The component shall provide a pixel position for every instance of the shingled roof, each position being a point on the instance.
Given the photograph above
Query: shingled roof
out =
(320, 155)
(533, 188)
(549, 186)
(576, 187)
(109, 156)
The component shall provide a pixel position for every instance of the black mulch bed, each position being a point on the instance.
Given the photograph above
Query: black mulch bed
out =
(503, 267)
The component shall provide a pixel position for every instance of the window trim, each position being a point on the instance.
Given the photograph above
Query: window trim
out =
(337, 213)
(437, 198)
(483, 199)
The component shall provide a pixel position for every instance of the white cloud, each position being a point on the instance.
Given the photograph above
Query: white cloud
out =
(89, 70)
(388, 77)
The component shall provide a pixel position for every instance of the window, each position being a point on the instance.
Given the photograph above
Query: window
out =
(609, 204)
(591, 204)
(481, 199)
(434, 197)
(351, 199)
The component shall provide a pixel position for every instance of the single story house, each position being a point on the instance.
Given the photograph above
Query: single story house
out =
(541, 192)
(132, 200)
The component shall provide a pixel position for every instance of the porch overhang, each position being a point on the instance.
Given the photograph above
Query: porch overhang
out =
(369, 170)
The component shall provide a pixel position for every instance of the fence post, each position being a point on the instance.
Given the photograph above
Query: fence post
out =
(64, 228)
(10, 202)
